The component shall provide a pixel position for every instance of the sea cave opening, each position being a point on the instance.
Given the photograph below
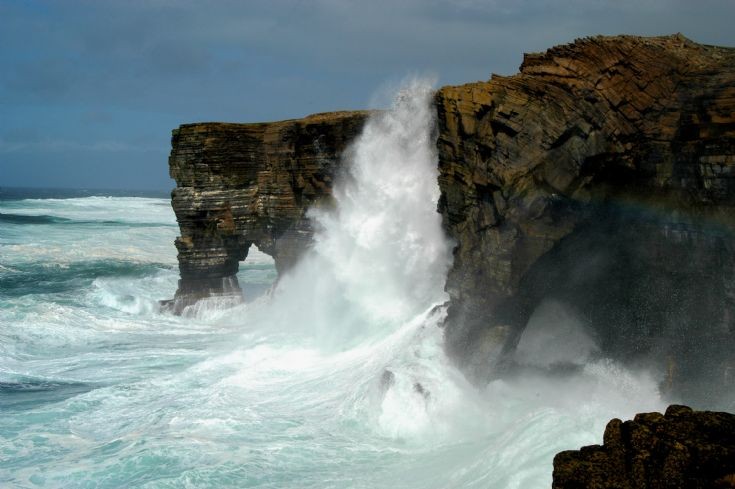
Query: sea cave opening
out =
(648, 293)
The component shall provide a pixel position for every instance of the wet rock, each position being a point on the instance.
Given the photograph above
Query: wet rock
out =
(681, 449)
(420, 389)
(387, 380)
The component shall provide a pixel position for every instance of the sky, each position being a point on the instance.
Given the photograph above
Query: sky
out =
(91, 89)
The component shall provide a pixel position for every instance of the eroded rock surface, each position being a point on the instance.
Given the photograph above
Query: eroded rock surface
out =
(682, 449)
(602, 176)
(244, 184)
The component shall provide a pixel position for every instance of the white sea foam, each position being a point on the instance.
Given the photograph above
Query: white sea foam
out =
(121, 209)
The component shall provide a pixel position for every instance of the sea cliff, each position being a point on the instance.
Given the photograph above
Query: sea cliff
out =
(601, 176)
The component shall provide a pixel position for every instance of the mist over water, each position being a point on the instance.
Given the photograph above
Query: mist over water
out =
(335, 378)
(380, 255)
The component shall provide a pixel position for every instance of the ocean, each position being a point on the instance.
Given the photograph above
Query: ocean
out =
(333, 376)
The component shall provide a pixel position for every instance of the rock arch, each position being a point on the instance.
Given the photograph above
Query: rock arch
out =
(244, 184)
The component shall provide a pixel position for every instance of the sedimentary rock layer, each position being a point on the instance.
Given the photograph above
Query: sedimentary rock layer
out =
(681, 449)
(602, 176)
(244, 184)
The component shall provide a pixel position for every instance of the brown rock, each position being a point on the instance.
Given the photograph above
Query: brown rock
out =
(244, 184)
(602, 176)
(682, 449)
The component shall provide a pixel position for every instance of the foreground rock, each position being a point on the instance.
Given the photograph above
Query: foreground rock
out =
(602, 176)
(244, 184)
(682, 449)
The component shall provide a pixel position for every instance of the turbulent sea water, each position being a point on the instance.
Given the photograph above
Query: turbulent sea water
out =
(333, 378)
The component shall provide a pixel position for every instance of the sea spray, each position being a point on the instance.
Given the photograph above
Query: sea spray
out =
(380, 255)
(385, 239)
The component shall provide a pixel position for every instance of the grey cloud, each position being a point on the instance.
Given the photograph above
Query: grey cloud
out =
(148, 65)
(45, 78)
(123, 47)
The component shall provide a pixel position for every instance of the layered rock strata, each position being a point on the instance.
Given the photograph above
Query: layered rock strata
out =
(681, 449)
(601, 176)
(244, 184)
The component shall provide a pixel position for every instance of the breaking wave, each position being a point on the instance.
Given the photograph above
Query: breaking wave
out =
(335, 378)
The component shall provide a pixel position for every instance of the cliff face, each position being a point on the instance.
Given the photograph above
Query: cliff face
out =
(244, 184)
(682, 449)
(601, 176)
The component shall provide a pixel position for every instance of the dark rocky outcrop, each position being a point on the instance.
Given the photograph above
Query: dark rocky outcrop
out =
(244, 184)
(601, 176)
(682, 449)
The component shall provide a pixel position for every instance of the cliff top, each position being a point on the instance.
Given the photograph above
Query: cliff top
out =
(318, 118)
(617, 48)
(604, 52)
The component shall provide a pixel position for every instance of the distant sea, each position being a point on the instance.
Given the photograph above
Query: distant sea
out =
(18, 193)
